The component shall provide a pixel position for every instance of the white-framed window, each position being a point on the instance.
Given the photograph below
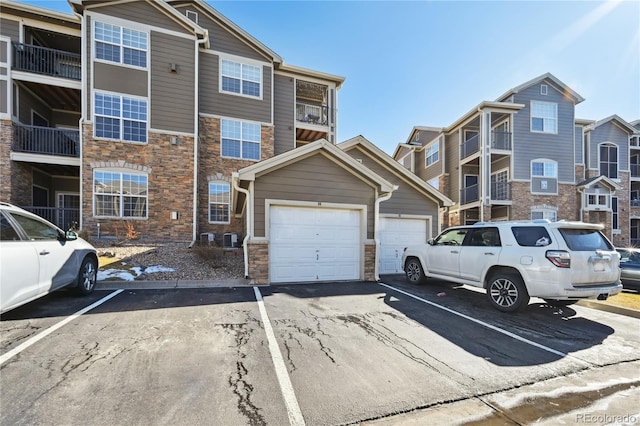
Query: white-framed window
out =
(500, 185)
(608, 159)
(241, 79)
(544, 117)
(120, 45)
(547, 212)
(219, 202)
(544, 168)
(120, 194)
(598, 201)
(435, 182)
(120, 117)
(543, 89)
(15, 102)
(432, 153)
(240, 139)
(614, 213)
(192, 14)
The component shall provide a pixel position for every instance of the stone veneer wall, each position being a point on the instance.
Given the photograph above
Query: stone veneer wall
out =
(213, 167)
(523, 200)
(16, 179)
(258, 255)
(369, 261)
(170, 180)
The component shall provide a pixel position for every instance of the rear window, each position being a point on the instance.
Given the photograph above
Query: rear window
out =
(531, 236)
(585, 239)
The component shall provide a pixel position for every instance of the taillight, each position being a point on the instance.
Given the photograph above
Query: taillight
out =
(562, 259)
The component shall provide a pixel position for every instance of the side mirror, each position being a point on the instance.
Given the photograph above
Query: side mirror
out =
(430, 242)
(70, 236)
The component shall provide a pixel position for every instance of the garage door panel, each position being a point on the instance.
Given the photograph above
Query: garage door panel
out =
(395, 234)
(324, 244)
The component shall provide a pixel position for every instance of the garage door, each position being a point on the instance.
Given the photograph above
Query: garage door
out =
(396, 234)
(313, 244)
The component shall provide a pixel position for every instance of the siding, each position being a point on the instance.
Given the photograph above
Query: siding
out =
(143, 12)
(27, 102)
(315, 179)
(609, 132)
(579, 145)
(10, 28)
(115, 78)
(284, 108)
(528, 146)
(229, 105)
(4, 108)
(452, 159)
(66, 118)
(406, 199)
(4, 58)
(172, 94)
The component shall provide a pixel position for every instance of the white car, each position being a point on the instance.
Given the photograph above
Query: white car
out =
(36, 258)
(561, 262)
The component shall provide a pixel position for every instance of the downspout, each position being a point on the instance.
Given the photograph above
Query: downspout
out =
(376, 226)
(249, 213)
(196, 137)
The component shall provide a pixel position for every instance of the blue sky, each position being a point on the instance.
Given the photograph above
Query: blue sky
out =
(426, 63)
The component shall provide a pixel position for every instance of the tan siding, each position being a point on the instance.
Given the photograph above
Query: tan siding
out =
(172, 93)
(451, 165)
(4, 108)
(119, 79)
(27, 103)
(141, 11)
(3, 53)
(229, 105)
(284, 113)
(315, 179)
(10, 28)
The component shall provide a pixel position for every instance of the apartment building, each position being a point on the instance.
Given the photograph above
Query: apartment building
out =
(165, 121)
(526, 156)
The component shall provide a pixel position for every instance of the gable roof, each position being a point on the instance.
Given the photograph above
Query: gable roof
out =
(396, 168)
(602, 178)
(320, 146)
(616, 120)
(547, 76)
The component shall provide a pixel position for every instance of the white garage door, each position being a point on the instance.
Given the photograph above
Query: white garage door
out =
(313, 244)
(396, 234)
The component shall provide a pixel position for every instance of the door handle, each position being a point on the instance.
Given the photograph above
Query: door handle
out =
(44, 253)
(455, 251)
(489, 253)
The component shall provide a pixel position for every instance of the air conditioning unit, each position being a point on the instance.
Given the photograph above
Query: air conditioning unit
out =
(230, 240)
(207, 238)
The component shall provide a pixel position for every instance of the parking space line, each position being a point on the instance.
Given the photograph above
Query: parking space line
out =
(484, 324)
(293, 409)
(15, 351)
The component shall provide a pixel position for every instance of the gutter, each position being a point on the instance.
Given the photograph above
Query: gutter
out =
(236, 184)
(384, 197)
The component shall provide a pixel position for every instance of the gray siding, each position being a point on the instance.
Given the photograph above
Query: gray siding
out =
(452, 159)
(435, 169)
(284, 108)
(579, 145)
(119, 79)
(141, 11)
(3, 52)
(28, 102)
(609, 132)
(407, 199)
(229, 105)
(10, 28)
(536, 185)
(529, 145)
(172, 93)
(65, 118)
(315, 179)
(4, 108)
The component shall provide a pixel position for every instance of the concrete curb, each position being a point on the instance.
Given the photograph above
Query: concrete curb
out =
(162, 285)
(610, 308)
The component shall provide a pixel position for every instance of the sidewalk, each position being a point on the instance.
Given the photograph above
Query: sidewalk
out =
(161, 285)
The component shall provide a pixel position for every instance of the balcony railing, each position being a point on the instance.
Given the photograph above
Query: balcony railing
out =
(64, 218)
(469, 194)
(312, 113)
(500, 191)
(42, 60)
(46, 140)
(501, 140)
(469, 147)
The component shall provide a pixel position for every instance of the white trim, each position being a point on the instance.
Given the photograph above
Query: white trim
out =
(121, 46)
(121, 196)
(171, 132)
(614, 145)
(121, 118)
(43, 158)
(531, 116)
(14, 91)
(47, 80)
(229, 204)
(44, 25)
(135, 25)
(191, 14)
(241, 140)
(241, 63)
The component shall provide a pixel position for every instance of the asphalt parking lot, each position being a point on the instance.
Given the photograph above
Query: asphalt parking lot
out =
(336, 353)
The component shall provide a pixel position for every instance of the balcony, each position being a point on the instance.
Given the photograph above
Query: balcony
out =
(312, 113)
(635, 170)
(469, 194)
(500, 191)
(45, 61)
(63, 218)
(470, 147)
(46, 140)
(501, 140)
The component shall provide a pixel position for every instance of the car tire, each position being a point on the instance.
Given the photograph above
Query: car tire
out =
(414, 272)
(560, 303)
(507, 292)
(87, 276)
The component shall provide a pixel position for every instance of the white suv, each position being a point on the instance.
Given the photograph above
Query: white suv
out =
(561, 262)
(37, 257)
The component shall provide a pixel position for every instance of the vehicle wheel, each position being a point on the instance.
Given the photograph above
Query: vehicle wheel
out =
(413, 271)
(87, 276)
(560, 303)
(507, 292)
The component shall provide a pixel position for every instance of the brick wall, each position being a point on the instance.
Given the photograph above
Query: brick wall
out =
(369, 261)
(170, 180)
(565, 201)
(16, 178)
(258, 254)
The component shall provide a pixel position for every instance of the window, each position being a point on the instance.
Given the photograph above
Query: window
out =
(544, 168)
(432, 154)
(435, 182)
(609, 160)
(240, 140)
(543, 89)
(118, 194)
(120, 45)
(597, 201)
(120, 117)
(192, 14)
(551, 215)
(453, 237)
(585, 239)
(614, 213)
(544, 117)
(36, 230)
(240, 78)
(219, 202)
(531, 236)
